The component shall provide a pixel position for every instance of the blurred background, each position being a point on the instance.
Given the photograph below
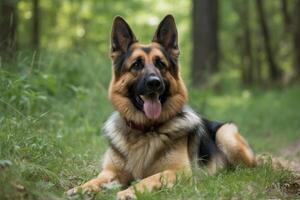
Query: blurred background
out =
(255, 42)
(239, 58)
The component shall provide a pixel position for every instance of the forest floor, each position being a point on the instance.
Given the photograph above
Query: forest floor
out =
(292, 153)
(291, 157)
(52, 111)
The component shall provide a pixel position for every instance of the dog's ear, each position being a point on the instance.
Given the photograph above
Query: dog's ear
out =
(121, 35)
(166, 33)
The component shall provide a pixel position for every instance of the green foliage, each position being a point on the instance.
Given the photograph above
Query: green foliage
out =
(86, 25)
(42, 135)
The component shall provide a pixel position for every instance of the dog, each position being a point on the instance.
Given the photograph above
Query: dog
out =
(154, 135)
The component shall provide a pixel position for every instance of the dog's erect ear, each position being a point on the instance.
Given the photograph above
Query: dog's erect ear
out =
(166, 33)
(121, 35)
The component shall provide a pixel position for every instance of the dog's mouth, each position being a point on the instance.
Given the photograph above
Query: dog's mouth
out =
(151, 104)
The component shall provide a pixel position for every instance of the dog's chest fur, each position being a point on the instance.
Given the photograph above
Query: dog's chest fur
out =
(139, 151)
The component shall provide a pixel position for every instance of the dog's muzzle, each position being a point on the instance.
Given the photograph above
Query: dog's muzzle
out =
(154, 85)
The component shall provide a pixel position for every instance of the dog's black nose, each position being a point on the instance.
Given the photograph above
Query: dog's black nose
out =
(153, 83)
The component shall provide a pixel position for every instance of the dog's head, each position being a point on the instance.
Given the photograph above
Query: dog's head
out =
(146, 85)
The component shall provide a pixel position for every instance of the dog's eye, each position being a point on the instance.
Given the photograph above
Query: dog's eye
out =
(137, 65)
(159, 63)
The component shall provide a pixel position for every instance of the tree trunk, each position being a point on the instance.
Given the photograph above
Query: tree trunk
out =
(273, 68)
(285, 15)
(214, 40)
(258, 64)
(35, 25)
(8, 26)
(205, 40)
(242, 9)
(297, 39)
(248, 46)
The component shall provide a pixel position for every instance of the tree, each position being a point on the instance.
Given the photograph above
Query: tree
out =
(245, 40)
(285, 15)
(273, 67)
(296, 39)
(8, 26)
(35, 24)
(205, 40)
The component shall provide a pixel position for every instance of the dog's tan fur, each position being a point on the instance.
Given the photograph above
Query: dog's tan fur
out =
(234, 146)
(155, 159)
(155, 162)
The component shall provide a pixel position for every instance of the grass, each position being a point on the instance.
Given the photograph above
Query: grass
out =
(52, 107)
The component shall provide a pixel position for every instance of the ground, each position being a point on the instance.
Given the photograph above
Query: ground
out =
(291, 152)
(52, 110)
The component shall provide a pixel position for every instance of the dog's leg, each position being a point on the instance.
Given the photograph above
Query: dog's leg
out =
(95, 184)
(234, 146)
(166, 178)
(237, 150)
(112, 172)
(176, 161)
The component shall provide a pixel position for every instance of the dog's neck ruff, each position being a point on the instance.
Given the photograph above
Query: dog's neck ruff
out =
(184, 121)
(139, 150)
(142, 127)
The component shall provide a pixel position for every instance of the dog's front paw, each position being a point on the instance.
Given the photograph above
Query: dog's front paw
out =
(72, 191)
(87, 188)
(126, 195)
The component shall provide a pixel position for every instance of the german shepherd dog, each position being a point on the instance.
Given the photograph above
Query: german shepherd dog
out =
(153, 135)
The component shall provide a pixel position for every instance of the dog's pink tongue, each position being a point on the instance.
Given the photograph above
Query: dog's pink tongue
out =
(152, 108)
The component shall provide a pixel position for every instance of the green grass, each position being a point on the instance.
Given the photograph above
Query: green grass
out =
(52, 107)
